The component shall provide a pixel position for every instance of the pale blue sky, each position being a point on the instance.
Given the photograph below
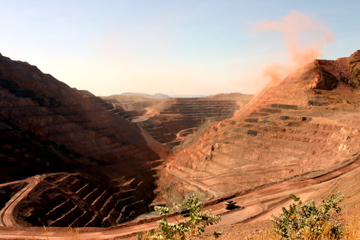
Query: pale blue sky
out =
(168, 46)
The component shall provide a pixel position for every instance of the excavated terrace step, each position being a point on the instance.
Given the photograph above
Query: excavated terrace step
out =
(90, 198)
(86, 189)
(100, 201)
(111, 217)
(124, 193)
(291, 131)
(54, 213)
(67, 218)
(95, 221)
(82, 220)
(107, 207)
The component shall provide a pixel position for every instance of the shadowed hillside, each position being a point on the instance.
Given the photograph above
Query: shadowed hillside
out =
(46, 126)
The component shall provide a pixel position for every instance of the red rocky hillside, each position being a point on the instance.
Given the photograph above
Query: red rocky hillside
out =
(308, 123)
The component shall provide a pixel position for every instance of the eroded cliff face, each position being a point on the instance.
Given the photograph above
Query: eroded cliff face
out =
(307, 123)
(48, 127)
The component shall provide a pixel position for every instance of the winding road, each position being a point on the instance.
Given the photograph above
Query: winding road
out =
(257, 205)
(202, 186)
(6, 214)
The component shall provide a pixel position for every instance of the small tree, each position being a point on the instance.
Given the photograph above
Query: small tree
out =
(194, 224)
(307, 221)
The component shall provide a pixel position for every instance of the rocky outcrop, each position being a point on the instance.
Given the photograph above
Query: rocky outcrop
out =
(346, 70)
(46, 126)
(309, 122)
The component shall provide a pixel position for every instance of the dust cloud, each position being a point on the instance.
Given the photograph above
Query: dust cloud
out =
(304, 37)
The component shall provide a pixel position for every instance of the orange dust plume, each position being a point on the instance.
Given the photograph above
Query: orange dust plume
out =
(304, 38)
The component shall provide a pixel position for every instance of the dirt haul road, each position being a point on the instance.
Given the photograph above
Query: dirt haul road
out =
(258, 204)
(6, 214)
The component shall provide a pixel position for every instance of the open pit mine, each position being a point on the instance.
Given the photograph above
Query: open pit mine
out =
(71, 159)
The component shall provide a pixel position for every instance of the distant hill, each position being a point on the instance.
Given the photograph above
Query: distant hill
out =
(129, 98)
(187, 96)
(156, 95)
(231, 96)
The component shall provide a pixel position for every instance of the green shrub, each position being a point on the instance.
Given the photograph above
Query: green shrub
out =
(308, 221)
(194, 224)
(217, 234)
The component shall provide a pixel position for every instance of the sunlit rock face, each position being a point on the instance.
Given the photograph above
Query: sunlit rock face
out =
(169, 121)
(48, 127)
(308, 122)
(179, 117)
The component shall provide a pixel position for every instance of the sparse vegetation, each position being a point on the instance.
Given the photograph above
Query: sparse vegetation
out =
(345, 222)
(194, 224)
(217, 234)
(308, 221)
